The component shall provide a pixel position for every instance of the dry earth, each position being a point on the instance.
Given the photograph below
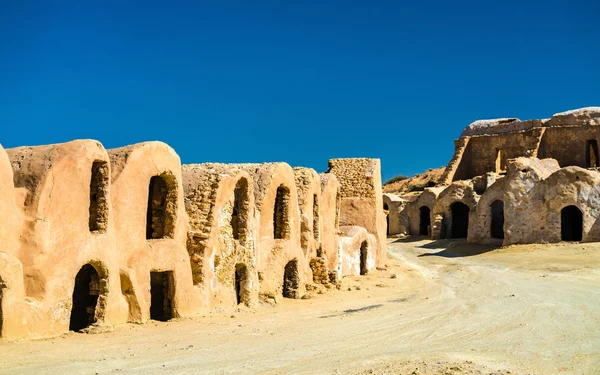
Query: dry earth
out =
(451, 309)
(415, 183)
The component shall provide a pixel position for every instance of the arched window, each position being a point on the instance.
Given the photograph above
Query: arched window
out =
(281, 225)
(592, 153)
(239, 217)
(162, 206)
(99, 197)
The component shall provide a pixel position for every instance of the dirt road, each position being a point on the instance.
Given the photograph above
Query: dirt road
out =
(451, 309)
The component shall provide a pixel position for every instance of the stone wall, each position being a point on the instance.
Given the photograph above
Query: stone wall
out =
(361, 199)
(93, 238)
(563, 137)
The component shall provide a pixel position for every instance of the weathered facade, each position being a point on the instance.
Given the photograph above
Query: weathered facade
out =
(361, 201)
(513, 181)
(93, 237)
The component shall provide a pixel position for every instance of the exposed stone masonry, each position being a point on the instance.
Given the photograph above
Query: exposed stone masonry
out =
(99, 196)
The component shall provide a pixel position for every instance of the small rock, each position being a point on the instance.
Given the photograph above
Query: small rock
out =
(393, 276)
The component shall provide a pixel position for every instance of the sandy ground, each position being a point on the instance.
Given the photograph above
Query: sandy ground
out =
(451, 309)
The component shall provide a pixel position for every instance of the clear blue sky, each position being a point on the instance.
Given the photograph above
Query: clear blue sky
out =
(300, 82)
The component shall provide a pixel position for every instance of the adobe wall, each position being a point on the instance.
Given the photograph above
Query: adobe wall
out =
(562, 137)
(76, 218)
(53, 183)
(330, 219)
(221, 239)
(442, 220)
(537, 191)
(273, 254)
(480, 219)
(12, 289)
(361, 199)
(397, 223)
(353, 241)
(426, 199)
(308, 188)
(132, 168)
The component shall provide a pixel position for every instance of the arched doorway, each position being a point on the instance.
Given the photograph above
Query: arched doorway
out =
(85, 298)
(497, 227)
(242, 290)
(460, 220)
(571, 224)
(291, 280)
(364, 253)
(424, 220)
(387, 218)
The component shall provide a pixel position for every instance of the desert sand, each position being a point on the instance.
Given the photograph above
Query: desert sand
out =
(442, 307)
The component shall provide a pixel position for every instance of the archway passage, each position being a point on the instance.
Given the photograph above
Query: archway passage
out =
(460, 220)
(85, 298)
(424, 220)
(497, 227)
(162, 290)
(571, 224)
(387, 218)
(291, 280)
(364, 252)
(241, 283)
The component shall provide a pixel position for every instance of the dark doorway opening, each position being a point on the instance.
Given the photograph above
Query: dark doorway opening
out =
(161, 295)
(364, 252)
(291, 280)
(497, 229)
(424, 220)
(591, 151)
(241, 283)
(387, 219)
(281, 213)
(571, 224)
(85, 298)
(460, 220)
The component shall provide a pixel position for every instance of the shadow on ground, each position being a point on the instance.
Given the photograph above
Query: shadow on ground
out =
(457, 248)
